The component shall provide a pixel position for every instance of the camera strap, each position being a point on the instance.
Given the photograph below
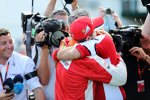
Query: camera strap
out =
(1, 77)
(36, 55)
(140, 82)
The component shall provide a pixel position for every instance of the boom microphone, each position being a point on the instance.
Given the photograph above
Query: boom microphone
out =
(18, 84)
(8, 85)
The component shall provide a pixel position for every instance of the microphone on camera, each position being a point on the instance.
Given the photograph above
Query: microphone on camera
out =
(18, 84)
(8, 85)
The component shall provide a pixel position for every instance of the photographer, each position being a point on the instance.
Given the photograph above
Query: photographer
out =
(138, 68)
(111, 19)
(47, 39)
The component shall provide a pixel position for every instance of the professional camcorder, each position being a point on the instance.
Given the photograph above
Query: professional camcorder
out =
(52, 27)
(126, 37)
(36, 18)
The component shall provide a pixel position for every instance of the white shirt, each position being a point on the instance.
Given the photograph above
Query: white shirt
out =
(20, 64)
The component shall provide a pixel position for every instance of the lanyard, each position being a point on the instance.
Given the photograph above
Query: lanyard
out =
(7, 67)
(140, 71)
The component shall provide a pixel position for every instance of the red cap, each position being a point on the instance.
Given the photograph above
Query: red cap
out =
(84, 26)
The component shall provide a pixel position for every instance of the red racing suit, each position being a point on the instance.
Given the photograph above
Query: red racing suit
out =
(92, 78)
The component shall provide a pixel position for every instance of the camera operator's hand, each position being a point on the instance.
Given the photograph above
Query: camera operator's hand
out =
(40, 37)
(7, 96)
(138, 52)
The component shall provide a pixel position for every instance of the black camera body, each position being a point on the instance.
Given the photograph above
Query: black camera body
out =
(36, 17)
(48, 25)
(52, 27)
(126, 37)
(32, 19)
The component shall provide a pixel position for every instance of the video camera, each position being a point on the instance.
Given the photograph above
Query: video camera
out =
(126, 37)
(52, 27)
(29, 21)
(49, 26)
(36, 18)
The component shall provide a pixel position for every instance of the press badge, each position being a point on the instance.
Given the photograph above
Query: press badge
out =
(140, 86)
